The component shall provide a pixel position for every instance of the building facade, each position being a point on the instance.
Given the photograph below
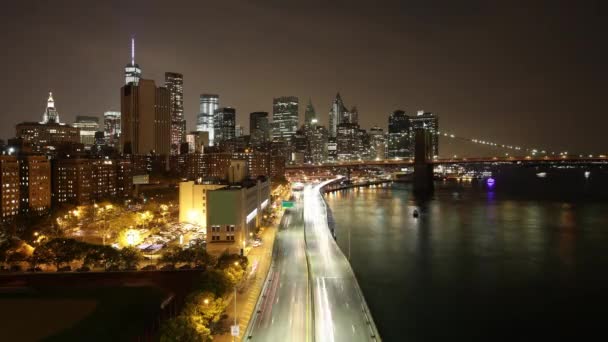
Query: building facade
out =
(9, 187)
(259, 128)
(111, 128)
(174, 82)
(284, 117)
(88, 126)
(35, 184)
(224, 125)
(208, 104)
(146, 119)
(399, 135)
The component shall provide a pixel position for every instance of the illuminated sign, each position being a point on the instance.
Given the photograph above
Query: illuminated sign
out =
(265, 203)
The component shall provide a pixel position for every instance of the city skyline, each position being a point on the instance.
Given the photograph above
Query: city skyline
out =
(510, 91)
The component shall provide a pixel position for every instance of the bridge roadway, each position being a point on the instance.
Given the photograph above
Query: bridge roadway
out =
(321, 300)
(601, 159)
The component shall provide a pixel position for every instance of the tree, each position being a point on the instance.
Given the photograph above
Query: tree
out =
(183, 329)
(130, 257)
(101, 255)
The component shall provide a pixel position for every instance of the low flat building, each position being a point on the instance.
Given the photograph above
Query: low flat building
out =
(193, 202)
(233, 213)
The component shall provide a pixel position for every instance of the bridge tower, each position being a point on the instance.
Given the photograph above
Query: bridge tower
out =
(423, 168)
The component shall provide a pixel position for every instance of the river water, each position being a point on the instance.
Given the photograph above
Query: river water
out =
(523, 260)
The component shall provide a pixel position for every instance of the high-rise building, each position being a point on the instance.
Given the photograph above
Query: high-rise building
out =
(88, 126)
(175, 85)
(346, 141)
(132, 70)
(224, 122)
(351, 116)
(399, 131)
(9, 187)
(378, 142)
(239, 131)
(259, 128)
(197, 141)
(50, 114)
(146, 119)
(209, 103)
(35, 187)
(318, 144)
(336, 114)
(111, 128)
(429, 122)
(284, 117)
(310, 115)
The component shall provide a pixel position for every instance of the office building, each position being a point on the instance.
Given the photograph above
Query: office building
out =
(284, 117)
(174, 82)
(132, 70)
(347, 145)
(88, 126)
(224, 122)
(429, 122)
(146, 119)
(50, 114)
(310, 115)
(35, 184)
(378, 143)
(336, 114)
(208, 104)
(111, 128)
(259, 128)
(399, 135)
(318, 144)
(238, 131)
(9, 187)
(197, 141)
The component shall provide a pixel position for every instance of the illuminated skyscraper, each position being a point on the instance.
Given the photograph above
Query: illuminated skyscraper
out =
(50, 114)
(175, 84)
(224, 122)
(284, 117)
(111, 128)
(259, 128)
(209, 103)
(310, 115)
(399, 135)
(132, 70)
(88, 126)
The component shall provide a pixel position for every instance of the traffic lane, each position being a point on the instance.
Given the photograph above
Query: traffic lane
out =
(338, 307)
(284, 307)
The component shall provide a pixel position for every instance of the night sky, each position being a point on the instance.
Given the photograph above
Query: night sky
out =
(524, 72)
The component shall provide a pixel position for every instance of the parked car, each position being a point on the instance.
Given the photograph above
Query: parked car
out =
(34, 269)
(15, 268)
(149, 268)
(83, 269)
(185, 267)
(131, 268)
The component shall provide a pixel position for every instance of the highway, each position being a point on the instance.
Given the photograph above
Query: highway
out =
(284, 312)
(340, 312)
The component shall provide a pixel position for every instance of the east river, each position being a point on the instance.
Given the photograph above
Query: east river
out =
(525, 259)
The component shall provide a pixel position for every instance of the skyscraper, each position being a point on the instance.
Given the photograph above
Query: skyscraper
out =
(88, 125)
(284, 117)
(132, 70)
(50, 114)
(335, 115)
(309, 114)
(175, 85)
(427, 121)
(209, 103)
(259, 128)
(146, 119)
(111, 128)
(318, 144)
(378, 142)
(224, 122)
(399, 135)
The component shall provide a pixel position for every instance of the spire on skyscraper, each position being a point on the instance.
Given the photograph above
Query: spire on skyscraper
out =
(132, 50)
(50, 103)
(50, 113)
(132, 70)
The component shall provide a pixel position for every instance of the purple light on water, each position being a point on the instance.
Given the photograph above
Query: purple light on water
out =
(490, 182)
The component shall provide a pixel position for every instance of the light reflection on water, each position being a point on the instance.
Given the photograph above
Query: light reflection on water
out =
(474, 264)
